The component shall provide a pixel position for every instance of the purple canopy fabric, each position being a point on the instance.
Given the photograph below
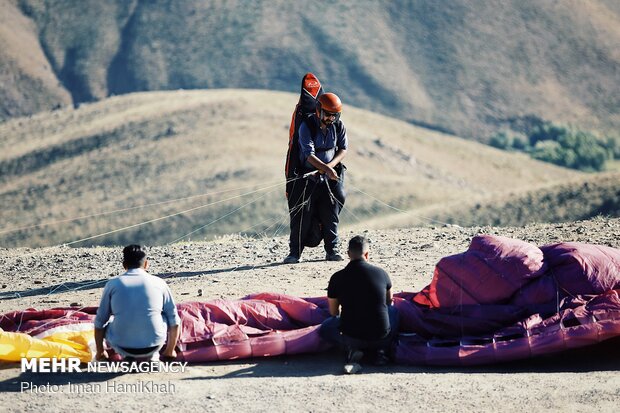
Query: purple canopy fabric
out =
(493, 269)
(502, 299)
(262, 324)
(505, 299)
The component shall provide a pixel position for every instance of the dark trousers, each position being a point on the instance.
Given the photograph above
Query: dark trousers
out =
(311, 200)
(330, 331)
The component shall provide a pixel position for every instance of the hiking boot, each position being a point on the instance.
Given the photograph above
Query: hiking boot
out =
(352, 368)
(381, 358)
(352, 365)
(334, 257)
(291, 259)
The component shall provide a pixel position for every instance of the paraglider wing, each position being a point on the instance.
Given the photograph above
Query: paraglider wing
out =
(500, 300)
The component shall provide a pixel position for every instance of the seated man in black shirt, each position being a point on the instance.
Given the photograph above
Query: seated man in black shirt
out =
(360, 298)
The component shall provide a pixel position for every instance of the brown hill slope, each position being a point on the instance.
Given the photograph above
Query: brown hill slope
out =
(28, 83)
(151, 148)
(465, 66)
(574, 199)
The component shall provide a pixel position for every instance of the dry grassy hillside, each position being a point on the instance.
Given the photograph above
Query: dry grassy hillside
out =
(150, 148)
(570, 200)
(466, 66)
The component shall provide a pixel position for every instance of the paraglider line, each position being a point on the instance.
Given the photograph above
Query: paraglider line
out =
(170, 215)
(224, 216)
(15, 229)
(398, 209)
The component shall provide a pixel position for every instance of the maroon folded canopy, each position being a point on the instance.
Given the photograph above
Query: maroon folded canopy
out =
(502, 299)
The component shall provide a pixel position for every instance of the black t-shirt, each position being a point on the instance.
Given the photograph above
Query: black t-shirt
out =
(361, 291)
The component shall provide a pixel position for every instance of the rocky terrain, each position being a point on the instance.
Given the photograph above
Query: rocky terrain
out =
(233, 266)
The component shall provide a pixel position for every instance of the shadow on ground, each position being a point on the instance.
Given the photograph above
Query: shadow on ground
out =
(601, 357)
(30, 380)
(54, 289)
(92, 284)
(604, 356)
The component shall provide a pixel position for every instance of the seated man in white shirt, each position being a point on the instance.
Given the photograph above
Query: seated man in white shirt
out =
(137, 314)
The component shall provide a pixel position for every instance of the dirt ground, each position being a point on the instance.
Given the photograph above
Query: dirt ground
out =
(232, 267)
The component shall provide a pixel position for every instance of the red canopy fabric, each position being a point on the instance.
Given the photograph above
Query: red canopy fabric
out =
(500, 300)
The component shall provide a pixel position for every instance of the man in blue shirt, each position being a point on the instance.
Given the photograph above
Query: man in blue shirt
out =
(137, 314)
(323, 145)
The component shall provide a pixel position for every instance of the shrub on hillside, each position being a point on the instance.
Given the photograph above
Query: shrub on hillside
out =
(520, 143)
(547, 132)
(501, 140)
(549, 151)
(613, 145)
(562, 146)
(575, 149)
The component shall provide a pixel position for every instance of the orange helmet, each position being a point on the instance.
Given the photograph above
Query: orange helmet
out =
(330, 102)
